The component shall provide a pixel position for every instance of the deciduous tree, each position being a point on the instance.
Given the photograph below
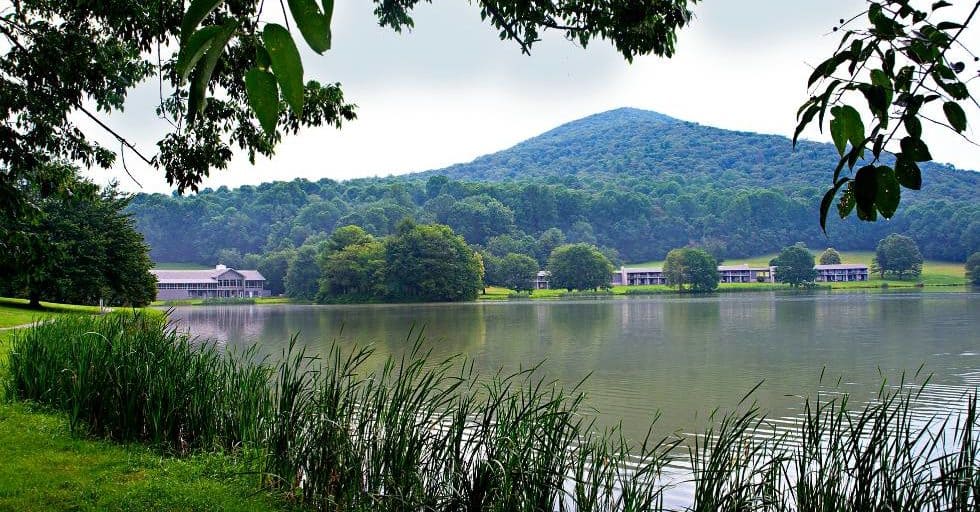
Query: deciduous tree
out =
(899, 255)
(517, 271)
(579, 267)
(830, 256)
(794, 266)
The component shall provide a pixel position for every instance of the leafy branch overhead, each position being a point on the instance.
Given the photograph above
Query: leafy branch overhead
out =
(904, 67)
(266, 64)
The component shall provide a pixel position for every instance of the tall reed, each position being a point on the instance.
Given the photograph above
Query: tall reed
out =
(335, 432)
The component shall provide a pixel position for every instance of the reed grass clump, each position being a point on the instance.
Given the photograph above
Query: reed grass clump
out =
(338, 432)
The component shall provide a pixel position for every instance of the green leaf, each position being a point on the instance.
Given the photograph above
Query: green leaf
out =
(262, 59)
(805, 120)
(828, 199)
(955, 116)
(205, 67)
(312, 24)
(915, 149)
(956, 89)
(328, 11)
(846, 126)
(880, 79)
(197, 45)
(846, 203)
(889, 192)
(940, 4)
(907, 172)
(286, 65)
(914, 127)
(865, 187)
(196, 12)
(263, 97)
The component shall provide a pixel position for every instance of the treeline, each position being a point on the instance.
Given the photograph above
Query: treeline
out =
(639, 220)
(636, 182)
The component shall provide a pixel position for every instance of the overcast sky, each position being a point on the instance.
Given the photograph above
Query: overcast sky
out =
(450, 90)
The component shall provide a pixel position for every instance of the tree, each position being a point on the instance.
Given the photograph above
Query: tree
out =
(346, 236)
(354, 272)
(550, 239)
(794, 266)
(674, 268)
(82, 248)
(431, 263)
(229, 257)
(903, 63)
(273, 266)
(579, 267)
(899, 255)
(303, 274)
(692, 266)
(830, 256)
(517, 271)
(973, 268)
(700, 270)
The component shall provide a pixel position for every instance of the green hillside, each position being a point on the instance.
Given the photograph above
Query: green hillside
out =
(635, 182)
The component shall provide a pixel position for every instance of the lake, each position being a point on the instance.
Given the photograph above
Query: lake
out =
(679, 356)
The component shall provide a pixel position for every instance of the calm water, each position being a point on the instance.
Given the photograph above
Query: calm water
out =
(683, 356)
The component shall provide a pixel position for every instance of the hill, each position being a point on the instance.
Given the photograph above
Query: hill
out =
(633, 181)
(649, 145)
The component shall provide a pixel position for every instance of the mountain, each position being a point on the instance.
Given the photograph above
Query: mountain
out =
(636, 182)
(650, 145)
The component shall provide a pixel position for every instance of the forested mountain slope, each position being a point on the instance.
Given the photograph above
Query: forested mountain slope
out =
(636, 181)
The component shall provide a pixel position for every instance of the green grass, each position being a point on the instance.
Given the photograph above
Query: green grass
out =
(494, 293)
(14, 312)
(44, 466)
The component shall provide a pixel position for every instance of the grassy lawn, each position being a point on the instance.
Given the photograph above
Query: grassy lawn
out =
(43, 467)
(16, 311)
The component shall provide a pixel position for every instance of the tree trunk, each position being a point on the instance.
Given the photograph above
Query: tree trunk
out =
(35, 300)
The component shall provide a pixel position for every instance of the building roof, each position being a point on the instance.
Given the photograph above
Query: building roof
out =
(203, 276)
(743, 266)
(641, 270)
(842, 266)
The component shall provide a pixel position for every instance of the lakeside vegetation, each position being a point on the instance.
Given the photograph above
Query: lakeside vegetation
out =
(425, 434)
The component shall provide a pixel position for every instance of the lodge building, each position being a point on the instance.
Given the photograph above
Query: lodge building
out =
(743, 273)
(219, 282)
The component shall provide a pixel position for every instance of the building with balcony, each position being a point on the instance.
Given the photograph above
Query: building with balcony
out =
(842, 272)
(219, 282)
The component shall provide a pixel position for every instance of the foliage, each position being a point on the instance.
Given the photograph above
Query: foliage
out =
(517, 272)
(693, 267)
(903, 63)
(830, 256)
(794, 266)
(357, 271)
(274, 266)
(898, 255)
(302, 274)
(579, 267)
(431, 263)
(674, 268)
(80, 248)
(668, 192)
(972, 268)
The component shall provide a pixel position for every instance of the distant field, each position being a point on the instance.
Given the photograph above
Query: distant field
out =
(934, 273)
(201, 302)
(180, 266)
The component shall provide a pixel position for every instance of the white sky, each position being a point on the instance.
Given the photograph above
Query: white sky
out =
(450, 90)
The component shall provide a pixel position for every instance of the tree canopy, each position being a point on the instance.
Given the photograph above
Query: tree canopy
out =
(794, 266)
(81, 248)
(972, 268)
(830, 256)
(898, 255)
(579, 267)
(693, 267)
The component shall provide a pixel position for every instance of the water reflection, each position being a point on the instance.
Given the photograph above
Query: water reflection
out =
(682, 356)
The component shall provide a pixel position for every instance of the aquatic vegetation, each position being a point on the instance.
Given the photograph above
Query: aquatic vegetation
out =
(417, 433)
